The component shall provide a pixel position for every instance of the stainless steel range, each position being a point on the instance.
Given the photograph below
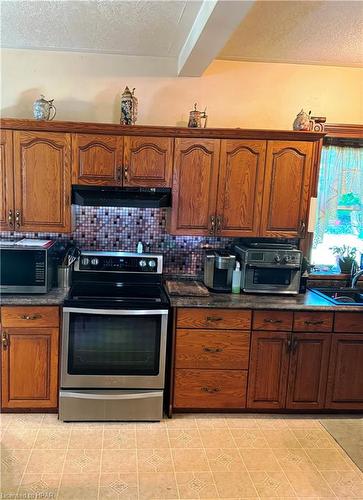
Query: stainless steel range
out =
(114, 339)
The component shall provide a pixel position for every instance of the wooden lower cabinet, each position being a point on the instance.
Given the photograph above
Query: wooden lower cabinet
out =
(29, 362)
(268, 369)
(215, 389)
(345, 379)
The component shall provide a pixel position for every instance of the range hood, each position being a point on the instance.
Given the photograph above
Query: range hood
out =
(103, 196)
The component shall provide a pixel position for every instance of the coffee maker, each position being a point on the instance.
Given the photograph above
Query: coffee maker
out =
(218, 269)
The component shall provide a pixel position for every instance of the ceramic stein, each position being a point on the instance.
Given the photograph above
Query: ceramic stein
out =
(195, 118)
(129, 104)
(43, 109)
(302, 121)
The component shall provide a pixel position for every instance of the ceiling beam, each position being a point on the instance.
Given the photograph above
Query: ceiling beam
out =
(212, 28)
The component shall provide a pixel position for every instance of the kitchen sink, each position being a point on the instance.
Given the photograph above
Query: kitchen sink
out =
(346, 296)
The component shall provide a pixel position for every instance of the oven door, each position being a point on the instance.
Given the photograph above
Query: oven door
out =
(113, 349)
(265, 279)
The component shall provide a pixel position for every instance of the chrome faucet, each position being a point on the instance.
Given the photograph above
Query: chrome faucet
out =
(356, 277)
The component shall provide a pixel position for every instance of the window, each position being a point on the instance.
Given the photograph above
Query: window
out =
(339, 218)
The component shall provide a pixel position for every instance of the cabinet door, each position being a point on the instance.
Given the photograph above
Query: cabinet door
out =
(42, 179)
(29, 367)
(6, 181)
(148, 161)
(286, 189)
(240, 187)
(97, 159)
(308, 371)
(345, 379)
(269, 361)
(195, 179)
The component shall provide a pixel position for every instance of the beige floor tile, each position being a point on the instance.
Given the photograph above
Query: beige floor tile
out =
(234, 485)
(155, 460)
(281, 438)
(271, 422)
(78, 487)
(181, 422)
(225, 459)
(157, 485)
(211, 423)
(196, 485)
(86, 439)
(272, 484)
(9, 484)
(18, 438)
(119, 439)
(308, 483)
(82, 462)
(293, 459)
(242, 421)
(260, 460)
(300, 422)
(185, 438)
(39, 485)
(5, 419)
(345, 484)
(13, 462)
(118, 461)
(118, 486)
(46, 461)
(217, 438)
(152, 438)
(52, 438)
(329, 459)
(28, 420)
(249, 438)
(314, 438)
(52, 420)
(190, 460)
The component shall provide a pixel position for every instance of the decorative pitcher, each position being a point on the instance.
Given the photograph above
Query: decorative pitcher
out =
(43, 109)
(129, 104)
(302, 121)
(195, 118)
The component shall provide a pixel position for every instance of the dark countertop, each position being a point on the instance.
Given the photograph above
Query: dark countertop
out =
(301, 302)
(53, 298)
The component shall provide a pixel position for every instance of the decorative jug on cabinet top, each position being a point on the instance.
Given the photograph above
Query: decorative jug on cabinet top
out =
(129, 105)
(302, 121)
(43, 109)
(195, 118)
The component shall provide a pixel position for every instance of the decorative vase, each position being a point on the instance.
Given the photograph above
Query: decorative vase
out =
(302, 121)
(346, 265)
(129, 104)
(43, 109)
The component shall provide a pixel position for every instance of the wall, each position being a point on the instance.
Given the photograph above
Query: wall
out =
(86, 87)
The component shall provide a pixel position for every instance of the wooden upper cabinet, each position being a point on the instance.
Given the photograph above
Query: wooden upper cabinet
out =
(97, 159)
(42, 180)
(194, 192)
(6, 181)
(148, 161)
(286, 188)
(240, 187)
(308, 372)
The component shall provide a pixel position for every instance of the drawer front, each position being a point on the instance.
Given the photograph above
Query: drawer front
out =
(348, 322)
(272, 320)
(212, 349)
(29, 316)
(313, 322)
(210, 389)
(227, 319)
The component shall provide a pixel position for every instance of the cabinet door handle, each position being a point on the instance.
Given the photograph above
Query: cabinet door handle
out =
(212, 349)
(17, 218)
(274, 321)
(5, 340)
(214, 318)
(210, 390)
(302, 228)
(31, 316)
(126, 173)
(219, 223)
(311, 322)
(288, 344)
(294, 346)
(119, 174)
(212, 224)
(10, 218)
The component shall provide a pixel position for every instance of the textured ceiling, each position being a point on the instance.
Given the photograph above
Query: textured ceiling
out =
(141, 28)
(315, 32)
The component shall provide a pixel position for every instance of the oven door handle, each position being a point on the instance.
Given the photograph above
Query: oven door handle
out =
(85, 395)
(117, 312)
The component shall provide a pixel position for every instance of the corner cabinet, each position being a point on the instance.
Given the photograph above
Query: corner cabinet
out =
(42, 182)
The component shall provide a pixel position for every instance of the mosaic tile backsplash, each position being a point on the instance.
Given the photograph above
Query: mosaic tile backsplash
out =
(111, 228)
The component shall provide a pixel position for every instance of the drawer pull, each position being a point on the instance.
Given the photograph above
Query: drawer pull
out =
(210, 390)
(212, 349)
(31, 316)
(214, 318)
(275, 321)
(317, 322)
(5, 340)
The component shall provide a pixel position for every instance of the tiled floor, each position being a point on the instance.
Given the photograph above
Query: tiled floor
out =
(190, 457)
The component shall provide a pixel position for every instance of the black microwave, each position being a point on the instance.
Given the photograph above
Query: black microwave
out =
(28, 269)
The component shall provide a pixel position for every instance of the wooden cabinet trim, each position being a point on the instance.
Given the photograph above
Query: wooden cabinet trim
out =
(225, 319)
(29, 316)
(272, 320)
(311, 321)
(348, 322)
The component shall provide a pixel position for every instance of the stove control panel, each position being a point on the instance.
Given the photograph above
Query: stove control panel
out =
(119, 262)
